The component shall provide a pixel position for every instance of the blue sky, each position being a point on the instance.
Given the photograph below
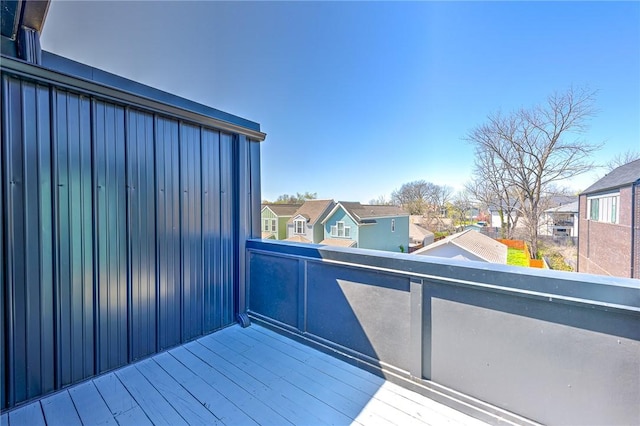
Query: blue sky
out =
(358, 98)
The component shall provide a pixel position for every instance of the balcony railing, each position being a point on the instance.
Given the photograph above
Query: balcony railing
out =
(552, 347)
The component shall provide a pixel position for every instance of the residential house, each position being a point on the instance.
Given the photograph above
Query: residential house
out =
(467, 245)
(367, 226)
(274, 218)
(305, 225)
(419, 236)
(609, 224)
(561, 220)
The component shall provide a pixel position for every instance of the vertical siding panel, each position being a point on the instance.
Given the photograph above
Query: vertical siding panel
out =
(168, 232)
(28, 160)
(191, 235)
(4, 378)
(211, 230)
(72, 146)
(111, 234)
(227, 227)
(142, 232)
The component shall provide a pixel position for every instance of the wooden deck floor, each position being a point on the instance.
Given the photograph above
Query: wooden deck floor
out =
(237, 377)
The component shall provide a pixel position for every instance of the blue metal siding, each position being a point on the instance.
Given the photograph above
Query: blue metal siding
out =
(74, 237)
(191, 235)
(213, 285)
(29, 263)
(168, 198)
(227, 225)
(142, 233)
(111, 234)
(121, 232)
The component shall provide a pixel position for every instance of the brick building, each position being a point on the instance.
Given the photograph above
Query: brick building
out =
(609, 224)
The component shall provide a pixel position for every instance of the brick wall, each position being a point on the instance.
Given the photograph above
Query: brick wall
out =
(605, 248)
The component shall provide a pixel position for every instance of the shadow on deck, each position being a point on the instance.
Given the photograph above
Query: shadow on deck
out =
(238, 377)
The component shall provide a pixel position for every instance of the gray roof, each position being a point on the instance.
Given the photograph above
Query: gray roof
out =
(619, 177)
(475, 243)
(313, 210)
(283, 209)
(564, 208)
(364, 213)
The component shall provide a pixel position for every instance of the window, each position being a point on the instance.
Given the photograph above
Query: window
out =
(298, 226)
(604, 208)
(265, 226)
(339, 230)
(393, 225)
(273, 225)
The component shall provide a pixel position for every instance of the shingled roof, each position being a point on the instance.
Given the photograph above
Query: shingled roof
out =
(616, 178)
(480, 245)
(283, 209)
(365, 213)
(312, 210)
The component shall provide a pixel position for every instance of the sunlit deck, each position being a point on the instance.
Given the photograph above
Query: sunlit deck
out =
(238, 377)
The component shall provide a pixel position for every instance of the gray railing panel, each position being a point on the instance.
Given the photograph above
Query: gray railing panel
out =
(366, 311)
(557, 348)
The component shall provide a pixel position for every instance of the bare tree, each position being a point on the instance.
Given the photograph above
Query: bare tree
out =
(380, 201)
(422, 198)
(491, 188)
(621, 159)
(537, 147)
(413, 196)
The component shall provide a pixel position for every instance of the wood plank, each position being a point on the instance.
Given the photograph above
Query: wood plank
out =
(340, 396)
(339, 379)
(206, 394)
(243, 399)
(58, 409)
(416, 403)
(154, 405)
(184, 403)
(124, 408)
(90, 406)
(318, 384)
(272, 394)
(320, 402)
(320, 360)
(30, 414)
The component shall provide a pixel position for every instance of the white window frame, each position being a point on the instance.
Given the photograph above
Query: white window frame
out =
(393, 225)
(273, 225)
(604, 208)
(298, 226)
(265, 225)
(339, 230)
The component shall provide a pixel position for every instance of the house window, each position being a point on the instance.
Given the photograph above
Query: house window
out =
(604, 208)
(393, 225)
(298, 226)
(273, 225)
(339, 230)
(265, 226)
